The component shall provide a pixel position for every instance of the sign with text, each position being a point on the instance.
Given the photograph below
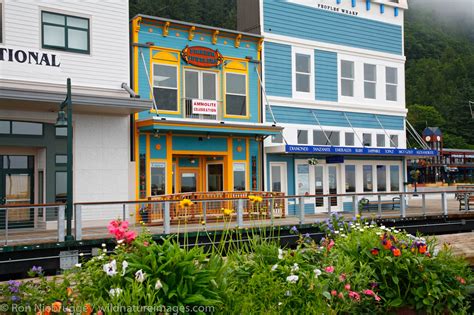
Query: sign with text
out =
(327, 6)
(358, 151)
(200, 56)
(29, 56)
(204, 107)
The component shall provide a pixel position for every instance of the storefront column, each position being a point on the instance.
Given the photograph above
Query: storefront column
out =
(169, 163)
(229, 166)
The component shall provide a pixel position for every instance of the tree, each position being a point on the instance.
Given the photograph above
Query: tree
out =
(422, 116)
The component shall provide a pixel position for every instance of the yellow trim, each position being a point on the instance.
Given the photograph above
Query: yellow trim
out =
(229, 164)
(214, 37)
(147, 162)
(166, 28)
(200, 69)
(259, 93)
(166, 56)
(247, 101)
(220, 153)
(135, 30)
(238, 38)
(260, 45)
(178, 85)
(169, 161)
(248, 184)
(237, 66)
(137, 164)
(191, 32)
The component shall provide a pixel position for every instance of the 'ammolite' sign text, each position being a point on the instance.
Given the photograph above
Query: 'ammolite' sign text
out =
(29, 57)
(205, 107)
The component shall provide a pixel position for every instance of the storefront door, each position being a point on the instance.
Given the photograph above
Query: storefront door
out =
(215, 177)
(326, 180)
(188, 181)
(278, 181)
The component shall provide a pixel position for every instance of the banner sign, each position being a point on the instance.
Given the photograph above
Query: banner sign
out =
(358, 151)
(200, 56)
(204, 107)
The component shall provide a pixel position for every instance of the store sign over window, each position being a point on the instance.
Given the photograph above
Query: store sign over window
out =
(205, 107)
(203, 57)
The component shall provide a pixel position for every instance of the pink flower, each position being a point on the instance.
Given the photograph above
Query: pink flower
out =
(347, 287)
(369, 292)
(333, 292)
(146, 244)
(329, 269)
(342, 277)
(130, 236)
(377, 298)
(331, 245)
(340, 295)
(354, 295)
(120, 230)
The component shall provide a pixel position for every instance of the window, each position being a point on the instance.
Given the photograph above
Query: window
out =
(320, 139)
(236, 94)
(276, 184)
(65, 32)
(381, 178)
(165, 87)
(200, 85)
(368, 180)
(4, 127)
(277, 138)
(158, 178)
(1, 22)
(391, 82)
(394, 178)
(349, 138)
(394, 141)
(27, 128)
(61, 159)
(347, 78)
(302, 179)
(370, 80)
(61, 186)
(302, 73)
(350, 178)
(381, 141)
(239, 177)
(61, 132)
(367, 139)
(302, 136)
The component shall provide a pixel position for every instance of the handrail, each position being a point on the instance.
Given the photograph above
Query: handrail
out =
(29, 205)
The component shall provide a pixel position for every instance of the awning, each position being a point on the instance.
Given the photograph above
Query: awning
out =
(200, 126)
(312, 149)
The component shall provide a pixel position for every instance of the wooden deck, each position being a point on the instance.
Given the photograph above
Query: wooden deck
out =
(415, 209)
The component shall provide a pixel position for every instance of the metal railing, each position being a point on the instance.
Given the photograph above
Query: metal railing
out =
(233, 210)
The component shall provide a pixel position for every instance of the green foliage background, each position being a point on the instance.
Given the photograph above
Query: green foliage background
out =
(439, 68)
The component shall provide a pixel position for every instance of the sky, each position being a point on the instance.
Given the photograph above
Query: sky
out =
(453, 10)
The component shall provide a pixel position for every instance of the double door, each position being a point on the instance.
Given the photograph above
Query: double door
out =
(326, 182)
(191, 179)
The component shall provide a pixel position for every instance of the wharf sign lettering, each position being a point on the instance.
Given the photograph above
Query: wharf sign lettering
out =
(29, 57)
(337, 9)
(202, 57)
(322, 5)
(358, 151)
(204, 107)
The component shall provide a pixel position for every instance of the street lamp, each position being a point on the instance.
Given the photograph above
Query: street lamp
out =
(65, 121)
(415, 174)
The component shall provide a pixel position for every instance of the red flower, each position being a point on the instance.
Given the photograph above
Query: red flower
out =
(422, 249)
(347, 287)
(331, 245)
(342, 277)
(369, 292)
(354, 295)
(374, 251)
(396, 252)
(387, 244)
(329, 269)
(333, 292)
(461, 280)
(340, 295)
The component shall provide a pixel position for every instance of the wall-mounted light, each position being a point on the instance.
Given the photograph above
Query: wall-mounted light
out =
(156, 133)
(208, 136)
(192, 161)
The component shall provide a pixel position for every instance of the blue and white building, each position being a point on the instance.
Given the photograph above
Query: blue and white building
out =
(334, 77)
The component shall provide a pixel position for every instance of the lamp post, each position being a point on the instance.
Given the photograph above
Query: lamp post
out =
(415, 174)
(65, 121)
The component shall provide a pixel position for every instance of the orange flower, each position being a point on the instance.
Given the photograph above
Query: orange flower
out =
(47, 310)
(56, 306)
(396, 252)
(69, 292)
(88, 309)
(387, 244)
(422, 249)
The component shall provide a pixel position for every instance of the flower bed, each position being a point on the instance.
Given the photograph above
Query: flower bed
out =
(358, 268)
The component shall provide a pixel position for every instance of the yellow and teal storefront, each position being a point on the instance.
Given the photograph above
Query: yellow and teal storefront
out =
(205, 131)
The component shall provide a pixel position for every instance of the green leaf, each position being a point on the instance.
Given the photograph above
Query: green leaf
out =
(327, 295)
(395, 279)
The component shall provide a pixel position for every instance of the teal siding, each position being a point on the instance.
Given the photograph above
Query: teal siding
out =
(278, 69)
(300, 21)
(154, 152)
(186, 162)
(254, 152)
(193, 144)
(294, 115)
(325, 65)
(242, 155)
(142, 144)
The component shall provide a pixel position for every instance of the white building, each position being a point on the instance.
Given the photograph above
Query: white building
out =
(42, 43)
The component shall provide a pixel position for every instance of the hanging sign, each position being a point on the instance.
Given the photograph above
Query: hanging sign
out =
(358, 151)
(203, 57)
(205, 107)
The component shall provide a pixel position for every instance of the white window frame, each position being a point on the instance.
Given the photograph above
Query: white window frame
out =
(245, 175)
(166, 172)
(2, 24)
(303, 95)
(165, 87)
(353, 79)
(392, 84)
(201, 84)
(370, 81)
(283, 174)
(247, 109)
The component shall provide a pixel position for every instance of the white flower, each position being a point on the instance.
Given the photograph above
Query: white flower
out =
(103, 245)
(158, 285)
(317, 272)
(295, 267)
(280, 303)
(378, 233)
(395, 231)
(115, 292)
(140, 276)
(292, 278)
(382, 227)
(280, 253)
(111, 268)
(274, 267)
(124, 267)
(343, 235)
(78, 265)
(81, 254)
(336, 232)
(119, 241)
(288, 293)
(341, 229)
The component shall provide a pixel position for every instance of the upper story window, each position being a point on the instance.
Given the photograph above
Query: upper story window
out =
(367, 139)
(349, 139)
(302, 137)
(236, 94)
(347, 78)
(391, 83)
(394, 141)
(370, 81)
(325, 138)
(65, 32)
(381, 140)
(165, 87)
(21, 128)
(303, 76)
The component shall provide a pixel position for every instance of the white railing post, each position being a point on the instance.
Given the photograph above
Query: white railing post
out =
(466, 201)
(272, 207)
(423, 203)
(329, 205)
(35, 218)
(78, 222)
(240, 212)
(61, 212)
(6, 226)
(355, 206)
(444, 203)
(301, 199)
(167, 219)
(403, 206)
(204, 212)
(379, 206)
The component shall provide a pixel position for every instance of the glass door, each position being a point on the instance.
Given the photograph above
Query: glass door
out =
(278, 177)
(215, 177)
(319, 186)
(332, 184)
(199, 85)
(188, 181)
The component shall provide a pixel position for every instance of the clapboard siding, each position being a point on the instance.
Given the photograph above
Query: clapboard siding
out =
(326, 75)
(300, 21)
(278, 69)
(294, 115)
(107, 65)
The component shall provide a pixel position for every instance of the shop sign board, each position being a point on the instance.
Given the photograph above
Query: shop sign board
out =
(205, 107)
(335, 159)
(202, 57)
(358, 151)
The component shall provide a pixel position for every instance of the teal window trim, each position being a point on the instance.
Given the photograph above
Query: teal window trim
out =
(10, 133)
(66, 28)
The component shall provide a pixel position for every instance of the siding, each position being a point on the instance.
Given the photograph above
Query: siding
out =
(326, 75)
(278, 69)
(299, 21)
(294, 115)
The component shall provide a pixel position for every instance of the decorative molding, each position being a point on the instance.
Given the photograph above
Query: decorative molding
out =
(166, 29)
(191, 32)
(214, 37)
(260, 45)
(238, 38)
